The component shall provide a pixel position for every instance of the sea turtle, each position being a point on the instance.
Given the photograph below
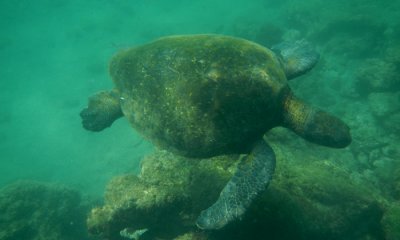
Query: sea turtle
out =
(206, 95)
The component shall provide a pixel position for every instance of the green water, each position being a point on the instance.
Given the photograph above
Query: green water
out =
(54, 54)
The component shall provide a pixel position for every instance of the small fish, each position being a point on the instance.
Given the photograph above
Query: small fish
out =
(132, 233)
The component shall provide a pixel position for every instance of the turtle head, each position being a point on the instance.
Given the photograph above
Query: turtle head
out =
(102, 110)
(297, 57)
(313, 124)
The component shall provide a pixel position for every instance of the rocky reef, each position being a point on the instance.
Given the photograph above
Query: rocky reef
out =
(308, 199)
(37, 211)
(162, 198)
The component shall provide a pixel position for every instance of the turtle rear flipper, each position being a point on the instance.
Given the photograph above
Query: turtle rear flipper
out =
(103, 109)
(252, 176)
(297, 57)
(314, 125)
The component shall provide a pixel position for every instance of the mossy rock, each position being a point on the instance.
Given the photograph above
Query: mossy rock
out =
(391, 222)
(308, 200)
(33, 210)
(312, 200)
(162, 198)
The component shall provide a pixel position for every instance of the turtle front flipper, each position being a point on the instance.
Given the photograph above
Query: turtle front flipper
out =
(313, 124)
(252, 176)
(297, 57)
(103, 109)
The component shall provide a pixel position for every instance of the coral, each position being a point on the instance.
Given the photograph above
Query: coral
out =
(38, 211)
(307, 200)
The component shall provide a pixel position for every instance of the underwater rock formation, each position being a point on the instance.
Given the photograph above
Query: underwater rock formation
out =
(391, 123)
(396, 180)
(391, 222)
(379, 74)
(313, 199)
(37, 211)
(356, 37)
(385, 107)
(383, 104)
(162, 198)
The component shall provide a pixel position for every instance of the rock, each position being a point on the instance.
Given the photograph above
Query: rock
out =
(384, 104)
(316, 200)
(161, 198)
(391, 222)
(307, 200)
(391, 123)
(351, 36)
(377, 75)
(394, 181)
(39, 211)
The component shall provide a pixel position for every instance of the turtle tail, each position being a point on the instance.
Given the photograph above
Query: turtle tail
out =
(314, 124)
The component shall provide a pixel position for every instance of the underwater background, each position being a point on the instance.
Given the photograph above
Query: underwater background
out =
(54, 54)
